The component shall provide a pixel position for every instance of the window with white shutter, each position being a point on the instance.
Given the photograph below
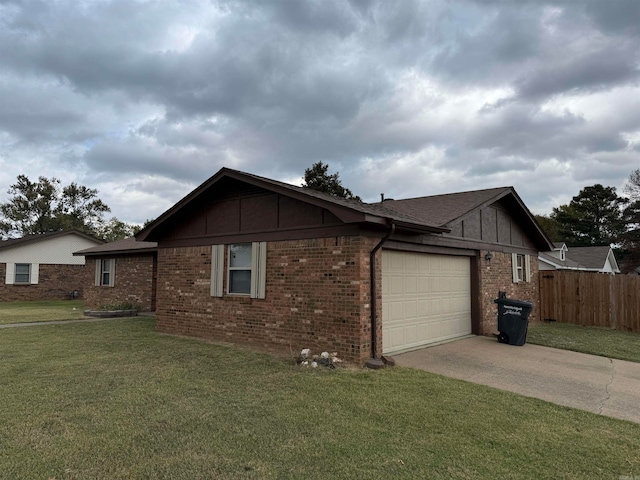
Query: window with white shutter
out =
(245, 269)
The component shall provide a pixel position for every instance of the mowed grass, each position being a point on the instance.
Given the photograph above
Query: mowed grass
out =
(18, 312)
(594, 340)
(115, 399)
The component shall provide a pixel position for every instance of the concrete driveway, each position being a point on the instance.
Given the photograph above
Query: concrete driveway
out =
(596, 384)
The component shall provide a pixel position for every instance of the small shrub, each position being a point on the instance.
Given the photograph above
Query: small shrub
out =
(122, 306)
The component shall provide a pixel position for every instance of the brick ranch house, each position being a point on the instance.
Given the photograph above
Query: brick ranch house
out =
(43, 267)
(121, 272)
(253, 261)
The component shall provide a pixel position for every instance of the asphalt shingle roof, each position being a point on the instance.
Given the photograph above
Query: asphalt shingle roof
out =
(592, 258)
(589, 257)
(119, 246)
(27, 239)
(439, 210)
(377, 209)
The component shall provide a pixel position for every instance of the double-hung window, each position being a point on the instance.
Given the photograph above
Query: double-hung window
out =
(21, 273)
(239, 276)
(105, 272)
(245, 269)
(521, 265)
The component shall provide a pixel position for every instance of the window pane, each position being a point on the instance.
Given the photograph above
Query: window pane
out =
(105, 278)
(240, 281)
(106, 265)
(22, 273)
(240, 255)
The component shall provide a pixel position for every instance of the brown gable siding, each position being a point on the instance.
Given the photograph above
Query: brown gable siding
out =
(491, 225)
(471, 227)
(259, 211)
(317, 296)
(504, 226)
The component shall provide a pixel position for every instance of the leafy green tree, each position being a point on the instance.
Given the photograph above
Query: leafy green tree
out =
(116, 229)
(30, 210)
(318, 178)
(630, 241)
(550, 227)
(79, 207)
(45, 206)
(593, 217)
(632, 187)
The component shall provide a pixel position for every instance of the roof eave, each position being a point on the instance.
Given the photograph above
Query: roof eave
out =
(48, 236)
(115, 252)
(417, 228)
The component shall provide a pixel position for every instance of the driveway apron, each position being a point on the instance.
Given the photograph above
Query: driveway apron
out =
(588, 382)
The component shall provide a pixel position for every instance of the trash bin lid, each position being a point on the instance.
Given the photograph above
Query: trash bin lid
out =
(513, 302)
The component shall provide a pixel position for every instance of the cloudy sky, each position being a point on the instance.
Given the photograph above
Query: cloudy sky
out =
(144, 100)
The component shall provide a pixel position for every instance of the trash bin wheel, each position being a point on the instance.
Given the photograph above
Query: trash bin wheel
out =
(503, 338)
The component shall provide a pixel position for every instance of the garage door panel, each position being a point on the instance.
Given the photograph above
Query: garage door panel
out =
(426, 299)
(397, 311)
(410, 284)
(411, 309)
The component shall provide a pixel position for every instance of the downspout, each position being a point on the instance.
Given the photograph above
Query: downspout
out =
(374, 361)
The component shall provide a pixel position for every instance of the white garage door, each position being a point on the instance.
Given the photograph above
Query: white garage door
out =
(425, 299)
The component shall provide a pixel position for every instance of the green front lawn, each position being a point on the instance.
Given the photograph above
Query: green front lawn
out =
(118, 400)
(18, 312)
(594, 340)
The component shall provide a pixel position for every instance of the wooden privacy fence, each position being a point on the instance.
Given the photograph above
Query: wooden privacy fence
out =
(590, 298)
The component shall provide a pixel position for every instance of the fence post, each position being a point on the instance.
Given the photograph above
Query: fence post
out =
(613, 321)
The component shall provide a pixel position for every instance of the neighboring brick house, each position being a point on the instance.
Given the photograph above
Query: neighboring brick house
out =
(253, 261)
(121, 272)
(43, 267)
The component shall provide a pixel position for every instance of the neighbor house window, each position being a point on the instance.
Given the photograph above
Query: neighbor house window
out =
(105, 272)
(521, 265)
(245, 269)
(23, 273)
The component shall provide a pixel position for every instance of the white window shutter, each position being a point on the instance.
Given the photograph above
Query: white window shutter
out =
(217, 270)
(98, 272)
(112, 269)
(527, 268)
(10, 273)
(258, 269)
(514, 267)
(35, 273)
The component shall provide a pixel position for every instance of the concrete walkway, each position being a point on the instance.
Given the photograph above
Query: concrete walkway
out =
(55, 322)
(588, 382)
(64, 322)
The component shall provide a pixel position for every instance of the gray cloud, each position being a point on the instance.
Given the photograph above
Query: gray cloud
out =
(607, 66)
(410, 97)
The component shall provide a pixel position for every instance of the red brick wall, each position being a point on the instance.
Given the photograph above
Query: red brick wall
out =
(317, 296)
(55, 282)
(495, 276)
(134, 283)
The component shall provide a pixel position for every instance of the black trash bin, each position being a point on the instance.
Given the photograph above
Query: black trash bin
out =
(513, 320)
